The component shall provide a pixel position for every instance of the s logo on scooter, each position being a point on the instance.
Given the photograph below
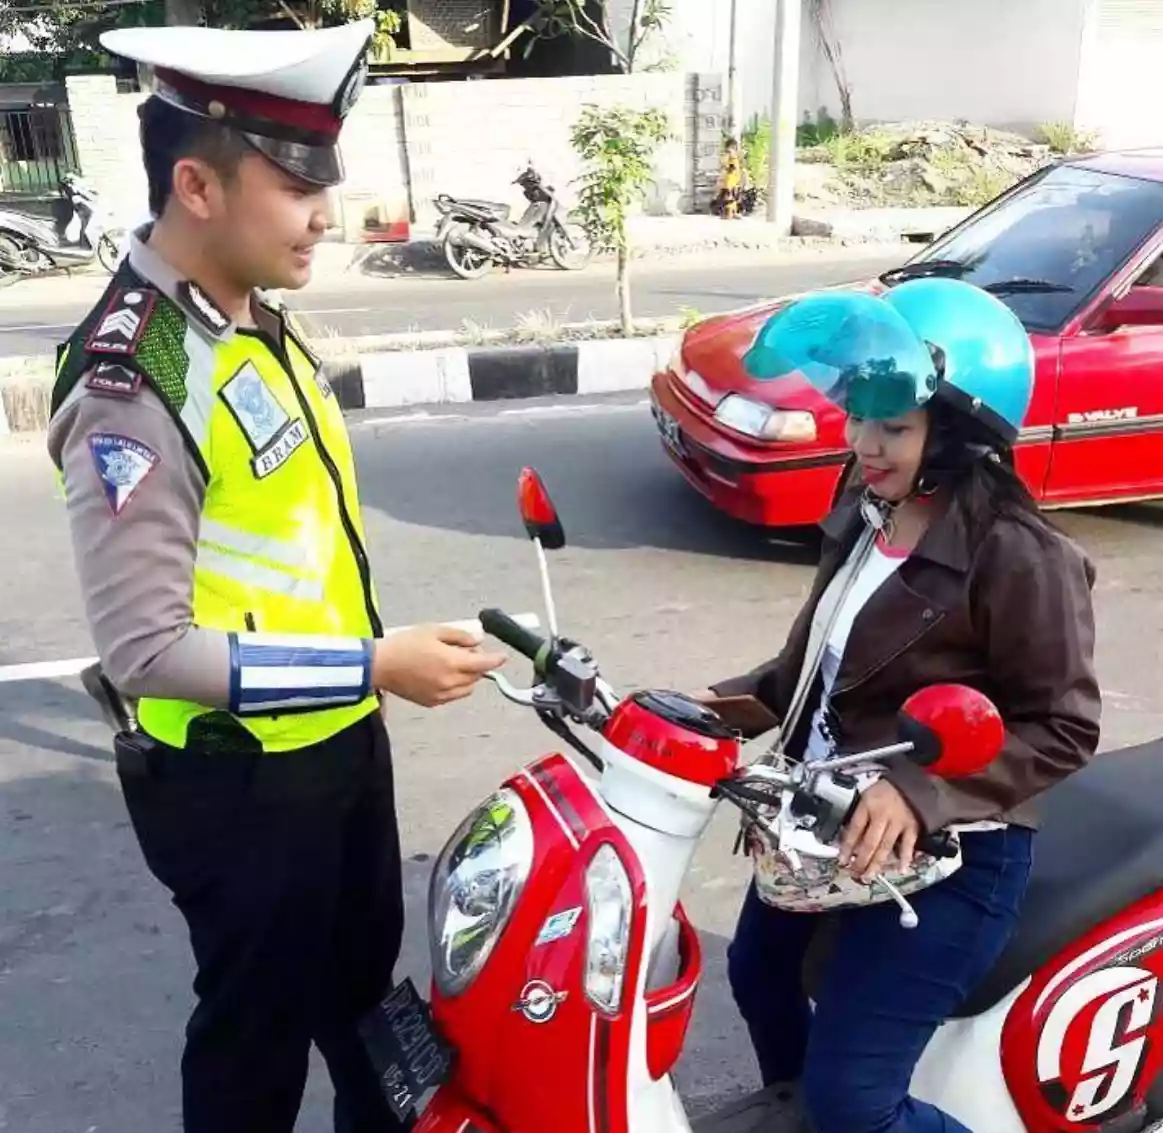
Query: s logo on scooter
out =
(538, 1002)
(1094, 1041)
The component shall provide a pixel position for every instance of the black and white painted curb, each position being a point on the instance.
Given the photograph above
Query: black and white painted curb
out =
(458, 374)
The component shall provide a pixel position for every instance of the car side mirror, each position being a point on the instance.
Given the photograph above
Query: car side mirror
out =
(955, 730)
(1139, 307)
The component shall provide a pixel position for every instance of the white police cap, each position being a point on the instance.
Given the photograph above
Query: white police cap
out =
(286, 92)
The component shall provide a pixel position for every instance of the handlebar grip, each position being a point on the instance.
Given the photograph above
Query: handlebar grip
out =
(939, 845)
(498, 624)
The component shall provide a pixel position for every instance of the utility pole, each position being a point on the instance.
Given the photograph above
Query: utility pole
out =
(734, 94)
(784, 114)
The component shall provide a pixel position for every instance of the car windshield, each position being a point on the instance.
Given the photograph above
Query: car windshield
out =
(1045, 250)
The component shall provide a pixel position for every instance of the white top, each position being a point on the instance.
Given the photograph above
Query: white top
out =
(878, 568)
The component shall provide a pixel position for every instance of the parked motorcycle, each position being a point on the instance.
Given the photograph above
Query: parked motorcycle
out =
(81, 230)
(565, 968)
(479, 235)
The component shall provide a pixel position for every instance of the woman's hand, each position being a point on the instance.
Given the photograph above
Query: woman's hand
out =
(881, 822)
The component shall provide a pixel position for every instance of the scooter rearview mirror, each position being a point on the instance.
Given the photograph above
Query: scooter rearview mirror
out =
(537, 511)
(955, 730)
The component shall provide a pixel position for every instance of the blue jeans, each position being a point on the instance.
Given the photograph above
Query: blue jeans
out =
(883, 992)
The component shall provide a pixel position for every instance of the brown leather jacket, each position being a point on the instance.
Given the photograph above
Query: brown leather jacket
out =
(1012, 617)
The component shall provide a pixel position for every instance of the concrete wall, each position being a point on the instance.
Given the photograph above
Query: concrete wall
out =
(376, 161)
(404, 143)
(1118, 90)
(105, 131)
(1006, 63)
(473, 139)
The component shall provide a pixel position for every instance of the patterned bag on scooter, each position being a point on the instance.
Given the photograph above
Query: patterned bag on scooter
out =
(821, 884)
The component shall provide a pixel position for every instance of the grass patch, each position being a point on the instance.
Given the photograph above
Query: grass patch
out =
(1063, 138)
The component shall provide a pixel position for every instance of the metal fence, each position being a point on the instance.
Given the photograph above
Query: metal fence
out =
(37, 149)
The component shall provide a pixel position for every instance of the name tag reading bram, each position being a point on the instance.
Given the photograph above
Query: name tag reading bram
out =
(272, 434)
(279, 451)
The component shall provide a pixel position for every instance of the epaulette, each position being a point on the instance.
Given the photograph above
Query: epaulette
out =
(123, 323)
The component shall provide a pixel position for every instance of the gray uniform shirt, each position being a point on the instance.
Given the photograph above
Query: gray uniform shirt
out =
(136, 563)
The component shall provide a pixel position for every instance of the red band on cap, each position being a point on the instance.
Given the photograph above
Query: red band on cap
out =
(308, 116)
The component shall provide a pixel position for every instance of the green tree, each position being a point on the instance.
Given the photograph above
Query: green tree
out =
(617, 146)
(311, 14)
(70, 30)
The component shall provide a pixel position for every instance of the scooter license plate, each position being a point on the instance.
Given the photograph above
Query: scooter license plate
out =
(406, 1050)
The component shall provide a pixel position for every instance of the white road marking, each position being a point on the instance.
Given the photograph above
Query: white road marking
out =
(31, 327)
(37, 326)
(423, 417)
(534, 410)
(44, 670)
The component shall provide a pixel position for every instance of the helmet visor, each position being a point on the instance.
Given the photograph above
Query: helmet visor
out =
(852, 347)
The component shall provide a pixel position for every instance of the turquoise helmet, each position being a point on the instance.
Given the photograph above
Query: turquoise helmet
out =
(880, 356)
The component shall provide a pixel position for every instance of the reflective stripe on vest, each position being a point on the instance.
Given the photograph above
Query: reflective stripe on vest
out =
(281, 544)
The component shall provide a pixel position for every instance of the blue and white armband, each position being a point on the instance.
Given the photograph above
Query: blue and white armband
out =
(272, 673)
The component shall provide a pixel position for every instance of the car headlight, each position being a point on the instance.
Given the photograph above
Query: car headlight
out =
(475, 886)
(754, 419)
(610, 908)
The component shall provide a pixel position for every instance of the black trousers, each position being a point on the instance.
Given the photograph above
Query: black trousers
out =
(286, 868)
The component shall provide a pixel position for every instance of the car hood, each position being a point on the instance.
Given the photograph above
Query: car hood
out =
(715, 350)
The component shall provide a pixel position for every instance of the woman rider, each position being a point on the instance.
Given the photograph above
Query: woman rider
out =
(966, 582)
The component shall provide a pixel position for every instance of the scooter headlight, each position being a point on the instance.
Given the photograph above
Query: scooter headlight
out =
(610, 905)
(475, 886)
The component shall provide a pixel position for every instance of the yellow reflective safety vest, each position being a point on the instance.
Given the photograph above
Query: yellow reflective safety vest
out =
(281, 546)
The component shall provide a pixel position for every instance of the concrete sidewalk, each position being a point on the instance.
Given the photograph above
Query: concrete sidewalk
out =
(652, 238)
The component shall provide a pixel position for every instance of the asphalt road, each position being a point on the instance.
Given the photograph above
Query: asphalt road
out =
(36, 314)
(94, 970)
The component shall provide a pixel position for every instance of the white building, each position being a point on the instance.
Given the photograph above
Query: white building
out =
(1005, 63)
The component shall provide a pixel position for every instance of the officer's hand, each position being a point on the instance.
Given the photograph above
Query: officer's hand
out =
(431, 665)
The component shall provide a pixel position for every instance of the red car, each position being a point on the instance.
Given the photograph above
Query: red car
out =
(1075, 250)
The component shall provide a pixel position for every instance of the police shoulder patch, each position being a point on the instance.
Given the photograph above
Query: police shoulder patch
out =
(122, 466)
(121, 326)
(113, 378)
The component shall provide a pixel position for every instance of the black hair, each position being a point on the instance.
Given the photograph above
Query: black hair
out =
(169, 134)
(967, 459)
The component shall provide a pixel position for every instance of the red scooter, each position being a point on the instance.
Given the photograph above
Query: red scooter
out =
(565, 968)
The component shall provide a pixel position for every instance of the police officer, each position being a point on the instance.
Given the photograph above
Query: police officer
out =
(215, 519)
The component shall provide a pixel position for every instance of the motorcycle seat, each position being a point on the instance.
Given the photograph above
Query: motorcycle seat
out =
(488, 210)
(1099, 850)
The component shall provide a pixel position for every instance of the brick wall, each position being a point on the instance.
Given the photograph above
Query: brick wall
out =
(403, 144)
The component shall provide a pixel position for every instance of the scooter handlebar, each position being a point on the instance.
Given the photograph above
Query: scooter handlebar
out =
(498, 624)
